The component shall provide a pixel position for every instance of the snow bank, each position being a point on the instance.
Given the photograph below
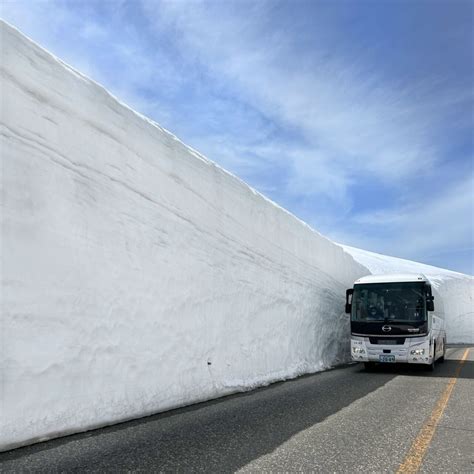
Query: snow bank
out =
(456, 289)
(138, 276)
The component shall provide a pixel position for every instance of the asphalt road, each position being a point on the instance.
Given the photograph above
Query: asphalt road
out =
(343, 420)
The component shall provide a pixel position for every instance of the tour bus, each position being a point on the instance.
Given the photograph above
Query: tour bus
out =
(393, 319)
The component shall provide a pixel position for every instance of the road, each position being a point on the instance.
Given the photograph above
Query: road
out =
(342, 420)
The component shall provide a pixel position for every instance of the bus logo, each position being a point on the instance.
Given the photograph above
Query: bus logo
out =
(386, 328)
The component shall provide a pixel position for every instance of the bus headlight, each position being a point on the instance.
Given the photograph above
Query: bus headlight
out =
(417, 352)
(358, 350)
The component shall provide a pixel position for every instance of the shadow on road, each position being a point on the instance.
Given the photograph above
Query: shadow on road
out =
(218, 436)
(222, 435)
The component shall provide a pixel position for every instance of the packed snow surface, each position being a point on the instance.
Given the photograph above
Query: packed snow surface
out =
(456, 289)
(138, 276)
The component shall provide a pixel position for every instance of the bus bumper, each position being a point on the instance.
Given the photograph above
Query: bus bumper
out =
(413, 351)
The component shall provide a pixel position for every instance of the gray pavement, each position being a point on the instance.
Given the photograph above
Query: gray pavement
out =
(452, 446)
(343, 420)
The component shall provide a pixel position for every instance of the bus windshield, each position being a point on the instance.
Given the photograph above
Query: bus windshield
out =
(397, 302)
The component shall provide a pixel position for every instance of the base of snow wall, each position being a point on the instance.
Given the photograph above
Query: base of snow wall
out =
(137, 276)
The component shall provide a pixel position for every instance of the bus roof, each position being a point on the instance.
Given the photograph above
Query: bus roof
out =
(392, 278)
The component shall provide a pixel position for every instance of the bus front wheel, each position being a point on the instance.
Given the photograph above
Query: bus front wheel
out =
(432, 365)
(441, 359)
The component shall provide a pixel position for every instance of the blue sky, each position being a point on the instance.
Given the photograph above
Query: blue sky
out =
(357, 116)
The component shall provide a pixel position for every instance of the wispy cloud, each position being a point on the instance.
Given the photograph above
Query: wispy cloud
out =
(355, 121)
(427, 228)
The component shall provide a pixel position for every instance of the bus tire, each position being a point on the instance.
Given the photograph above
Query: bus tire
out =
(431, 367)
(441, 359)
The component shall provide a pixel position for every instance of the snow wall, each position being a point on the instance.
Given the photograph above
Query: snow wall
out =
(137, 276)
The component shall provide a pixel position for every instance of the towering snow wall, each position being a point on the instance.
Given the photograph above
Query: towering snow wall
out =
(138, 276)
(456, 289)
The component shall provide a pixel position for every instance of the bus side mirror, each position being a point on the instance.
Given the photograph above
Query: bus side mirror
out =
(430, 303)
(349, 293)
(429, 299)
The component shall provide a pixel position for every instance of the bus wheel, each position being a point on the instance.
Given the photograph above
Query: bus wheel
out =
(431, 367)
(441, 359)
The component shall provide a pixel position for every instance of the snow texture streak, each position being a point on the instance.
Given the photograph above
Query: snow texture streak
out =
(138, 276)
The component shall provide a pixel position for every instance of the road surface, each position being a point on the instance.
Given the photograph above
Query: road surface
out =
(396, 418)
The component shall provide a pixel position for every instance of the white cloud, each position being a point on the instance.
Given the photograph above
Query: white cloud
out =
(441, 222)
(357, 121)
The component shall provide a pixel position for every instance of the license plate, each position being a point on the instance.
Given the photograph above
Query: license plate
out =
(386, 358)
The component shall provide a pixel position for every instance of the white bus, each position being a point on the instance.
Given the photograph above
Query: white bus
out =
(393, 319)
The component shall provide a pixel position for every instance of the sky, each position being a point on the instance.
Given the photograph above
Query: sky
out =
(356, 116)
